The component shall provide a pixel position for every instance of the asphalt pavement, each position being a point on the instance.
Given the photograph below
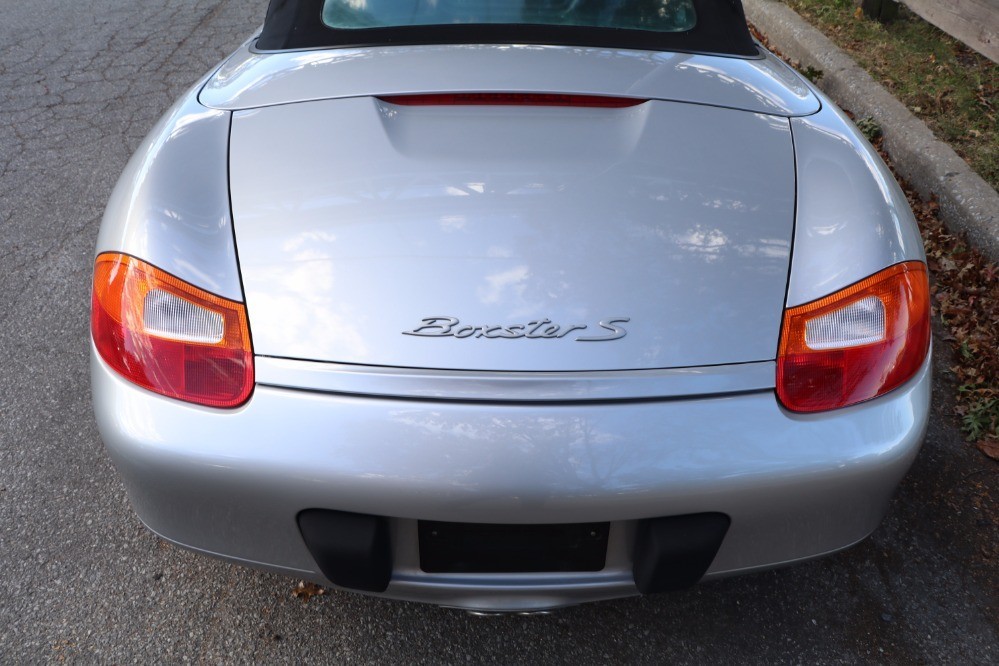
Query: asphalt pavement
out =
(81, 580)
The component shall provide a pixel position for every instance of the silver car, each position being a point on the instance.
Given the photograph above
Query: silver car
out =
(508, 306)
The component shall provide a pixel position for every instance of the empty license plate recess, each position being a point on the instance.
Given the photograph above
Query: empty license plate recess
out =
(480, 548)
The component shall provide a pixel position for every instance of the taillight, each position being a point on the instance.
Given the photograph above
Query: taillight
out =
(856, 344)
(169, 336)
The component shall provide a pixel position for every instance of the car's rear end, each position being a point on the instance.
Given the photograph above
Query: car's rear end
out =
(514, 324)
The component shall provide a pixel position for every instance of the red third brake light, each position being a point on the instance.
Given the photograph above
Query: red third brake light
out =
(513, 99)
(856, 344)
(169, 336)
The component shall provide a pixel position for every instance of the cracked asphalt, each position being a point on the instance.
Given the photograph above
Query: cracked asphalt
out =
(81, 580)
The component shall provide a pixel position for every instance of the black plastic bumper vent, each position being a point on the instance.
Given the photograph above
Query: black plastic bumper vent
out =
(674, 553)
(351, 549)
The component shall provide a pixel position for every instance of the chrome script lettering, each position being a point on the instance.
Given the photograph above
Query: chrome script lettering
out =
(545, 329)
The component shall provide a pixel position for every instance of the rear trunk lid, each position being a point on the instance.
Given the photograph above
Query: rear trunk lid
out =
(511, 237)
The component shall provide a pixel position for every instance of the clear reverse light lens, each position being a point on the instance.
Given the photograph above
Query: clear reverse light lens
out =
(860, 323)
(168, 316)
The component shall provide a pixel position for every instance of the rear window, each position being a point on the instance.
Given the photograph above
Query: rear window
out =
(651, 15)
(690, 26)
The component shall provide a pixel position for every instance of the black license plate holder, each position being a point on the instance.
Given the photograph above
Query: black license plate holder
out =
(489, 548)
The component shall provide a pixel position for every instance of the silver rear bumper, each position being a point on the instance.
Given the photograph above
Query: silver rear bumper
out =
(231, 484)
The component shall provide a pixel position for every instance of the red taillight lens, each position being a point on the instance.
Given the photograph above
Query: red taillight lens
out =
(856, 344)
(513, 99)
(169, 336)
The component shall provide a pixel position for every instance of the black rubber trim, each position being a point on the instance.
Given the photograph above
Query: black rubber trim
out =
(352, 549)
(721, 29)
(674, 553)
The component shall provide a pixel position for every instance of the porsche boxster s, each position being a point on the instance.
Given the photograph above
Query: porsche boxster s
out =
(507, 306)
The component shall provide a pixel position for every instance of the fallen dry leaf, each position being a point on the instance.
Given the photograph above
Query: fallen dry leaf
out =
(306, 591)
(989, 447)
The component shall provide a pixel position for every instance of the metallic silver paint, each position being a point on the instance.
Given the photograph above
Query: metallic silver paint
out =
(852, 217)
(231, 483)
(514, 386)
(171, 205)
(372, 216)
(434, 444)
(252, 80)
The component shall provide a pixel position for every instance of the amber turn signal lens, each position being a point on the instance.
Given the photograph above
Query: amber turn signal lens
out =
(856, 344)
(169, 336)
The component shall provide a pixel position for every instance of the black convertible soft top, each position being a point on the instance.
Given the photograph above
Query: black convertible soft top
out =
(720, 29)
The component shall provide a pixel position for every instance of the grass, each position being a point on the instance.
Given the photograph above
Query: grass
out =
(951, 88)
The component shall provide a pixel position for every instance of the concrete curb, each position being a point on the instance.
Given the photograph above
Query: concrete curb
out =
(967, 203)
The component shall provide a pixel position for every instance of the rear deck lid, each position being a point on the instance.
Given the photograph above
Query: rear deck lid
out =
(530, 238)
